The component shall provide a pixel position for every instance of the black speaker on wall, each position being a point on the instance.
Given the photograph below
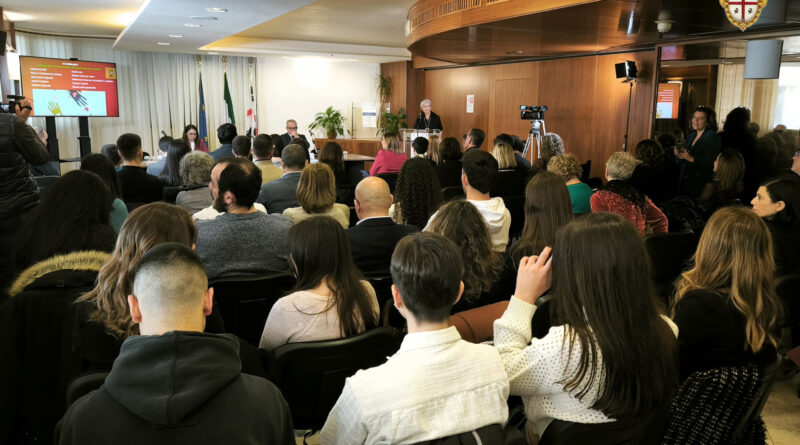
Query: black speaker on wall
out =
(626, 70)
(3, 37)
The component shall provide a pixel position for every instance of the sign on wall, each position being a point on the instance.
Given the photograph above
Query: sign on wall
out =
(470, 103)
(743, 13)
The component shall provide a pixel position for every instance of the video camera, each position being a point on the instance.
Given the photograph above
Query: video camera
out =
(531, 112)
(13, 104)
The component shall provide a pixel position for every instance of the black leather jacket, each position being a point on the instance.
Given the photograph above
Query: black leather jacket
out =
(19, 146)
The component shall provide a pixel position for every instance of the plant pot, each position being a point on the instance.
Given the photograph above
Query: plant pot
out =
(332, 134)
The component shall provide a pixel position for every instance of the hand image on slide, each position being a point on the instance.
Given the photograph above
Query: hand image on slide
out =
(54, 108)
(78, 98)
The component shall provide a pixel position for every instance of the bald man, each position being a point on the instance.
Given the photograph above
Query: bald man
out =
(173, 383)
(373, 238)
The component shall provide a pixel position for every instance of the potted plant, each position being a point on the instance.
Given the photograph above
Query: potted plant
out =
(391, 123)
(384, 88)
(332, 121)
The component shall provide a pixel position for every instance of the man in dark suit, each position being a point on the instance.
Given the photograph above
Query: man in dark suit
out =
(225, 134)
(280, 194)
(291, 132)
(137, 185)
(474, 139)
(373, 238)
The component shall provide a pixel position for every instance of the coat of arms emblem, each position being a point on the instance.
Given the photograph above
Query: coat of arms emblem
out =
(743, 13)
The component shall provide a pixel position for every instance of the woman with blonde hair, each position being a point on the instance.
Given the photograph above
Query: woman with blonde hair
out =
(509, 180)
(725, 306)
(391, 157)
(434, 151)
(316, 193)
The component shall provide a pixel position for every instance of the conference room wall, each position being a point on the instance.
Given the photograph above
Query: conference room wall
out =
(587, 104)
(300, 87)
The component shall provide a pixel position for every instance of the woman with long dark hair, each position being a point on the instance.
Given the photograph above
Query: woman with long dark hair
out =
(449, 168)
(171, 175)
(736, 135)
(73, 216)
(417, 194)
(725, 306)
(190, 137)
(727, 184)
(778, 203)
(331, 299)
(696, 159)
(102, 167)
(547, 209)
(609, 354)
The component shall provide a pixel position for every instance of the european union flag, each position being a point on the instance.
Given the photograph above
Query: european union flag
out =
(202, 128)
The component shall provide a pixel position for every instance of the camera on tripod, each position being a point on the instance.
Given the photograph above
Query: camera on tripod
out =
(532, 112)
(13, 104)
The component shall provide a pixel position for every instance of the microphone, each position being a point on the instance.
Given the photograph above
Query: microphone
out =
(163, 133)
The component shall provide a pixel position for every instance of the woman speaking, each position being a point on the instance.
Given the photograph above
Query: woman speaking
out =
(427, 120)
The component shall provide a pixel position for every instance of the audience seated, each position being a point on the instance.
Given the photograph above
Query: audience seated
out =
(726, 308)
(417, 194)
(241, 241)
(488, 275)
(347, 176)
(225, 134)
(449, 168)
(567, 167)
(171, 175)
(552, 145)
(374, 237)
(278, 144)
(509, 180)
(241, 147)
(173, 383)
(727, 185)
(280, 194)
(301, 141)
(156, 167)
(618, 196)
(479, 167)
(263, 148)
(137, 185)
(330, 299)
(650, 174)
(316, 193)
(796, 163)
(195, 171)
(547, 209)
(778, 203)
(391, 156)
(434, 149)
(437, 385)
(102, 167)
(736, 136)
(474, 140)
(580, 371)
(112, 153)
(519, 147)
(420, 147)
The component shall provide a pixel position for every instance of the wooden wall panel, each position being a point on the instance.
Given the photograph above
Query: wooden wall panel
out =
(448, 89)
(398, 73)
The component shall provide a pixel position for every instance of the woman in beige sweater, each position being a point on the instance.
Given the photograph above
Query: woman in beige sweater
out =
(316, 193)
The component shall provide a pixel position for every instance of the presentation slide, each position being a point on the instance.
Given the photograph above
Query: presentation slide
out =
(61, 87)
(669, 95)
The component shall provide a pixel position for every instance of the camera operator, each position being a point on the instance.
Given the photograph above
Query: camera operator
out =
(19, 147)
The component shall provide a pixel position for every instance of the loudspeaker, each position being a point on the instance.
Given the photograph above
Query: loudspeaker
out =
(626, 70)
(763, 60)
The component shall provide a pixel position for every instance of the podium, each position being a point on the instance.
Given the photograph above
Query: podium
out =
(409, 134)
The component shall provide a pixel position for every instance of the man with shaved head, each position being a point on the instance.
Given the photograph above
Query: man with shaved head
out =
(373, 238)
(173, 383)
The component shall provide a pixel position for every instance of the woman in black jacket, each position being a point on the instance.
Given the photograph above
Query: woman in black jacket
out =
(698, 156)
(778, 203)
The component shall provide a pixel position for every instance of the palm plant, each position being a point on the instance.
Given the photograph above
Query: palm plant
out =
(332, 121)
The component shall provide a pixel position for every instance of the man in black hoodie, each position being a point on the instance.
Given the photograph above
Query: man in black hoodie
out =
(173, 384)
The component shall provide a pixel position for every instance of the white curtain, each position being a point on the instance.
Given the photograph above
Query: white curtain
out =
(760, 96)
(157, 91)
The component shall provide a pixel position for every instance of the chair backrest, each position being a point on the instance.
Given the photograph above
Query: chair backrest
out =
(452, 193)
(516, 207)
(390, 178)
(477, 325)
(788, 289)
(311, 375)
(353, 216)
(170, 194)
(83, 385)
(586, 170)
(244, 302)
(383, 290)
(44, 182)
(670, 253)
(768, 377)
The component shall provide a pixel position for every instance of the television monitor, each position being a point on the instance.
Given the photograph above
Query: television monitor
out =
(668, 102)
(70, 88)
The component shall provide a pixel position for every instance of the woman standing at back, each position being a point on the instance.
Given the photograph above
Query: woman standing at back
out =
(725, 306)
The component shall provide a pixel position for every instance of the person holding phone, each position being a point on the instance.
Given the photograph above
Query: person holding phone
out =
(696, 158)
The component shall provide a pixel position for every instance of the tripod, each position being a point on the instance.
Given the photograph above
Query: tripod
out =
(537, 130)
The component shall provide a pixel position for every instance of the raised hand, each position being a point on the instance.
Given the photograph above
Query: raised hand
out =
(534, 276)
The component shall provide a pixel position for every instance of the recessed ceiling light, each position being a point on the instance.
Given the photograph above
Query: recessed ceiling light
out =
(163, 43)
(175, 36)
(192, 25)
(206, 18)
(217, 10)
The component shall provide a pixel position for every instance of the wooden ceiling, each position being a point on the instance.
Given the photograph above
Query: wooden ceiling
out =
(475, 35)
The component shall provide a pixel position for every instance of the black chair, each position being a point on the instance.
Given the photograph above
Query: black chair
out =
(84, 384)
(516, 207)
(452, 193)
(311, 375)
(170, 194)
(245, 302)
(390, 178)
(390, 317)
(768, 378)
(594, 183)
(586, 170)
(621, 432)
(788, 289)
(670, 254)
(353, 216)
(43, 183)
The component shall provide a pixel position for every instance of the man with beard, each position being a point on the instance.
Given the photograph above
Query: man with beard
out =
(242, 240)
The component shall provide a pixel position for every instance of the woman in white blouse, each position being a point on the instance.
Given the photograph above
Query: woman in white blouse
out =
(609, 354)
(330, 300)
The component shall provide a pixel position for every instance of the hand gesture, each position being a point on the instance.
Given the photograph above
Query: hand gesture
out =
(78, 98)
(534, 276)
(684, 154)
(25, 109)
(54, 108)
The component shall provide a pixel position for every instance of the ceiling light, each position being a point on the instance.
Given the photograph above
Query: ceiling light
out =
(204, 18)
(175, 36)
(17, 16)
(217, 10)
(163, 43)
(192, 25)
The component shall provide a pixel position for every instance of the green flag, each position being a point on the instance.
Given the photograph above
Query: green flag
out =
(228, 100)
